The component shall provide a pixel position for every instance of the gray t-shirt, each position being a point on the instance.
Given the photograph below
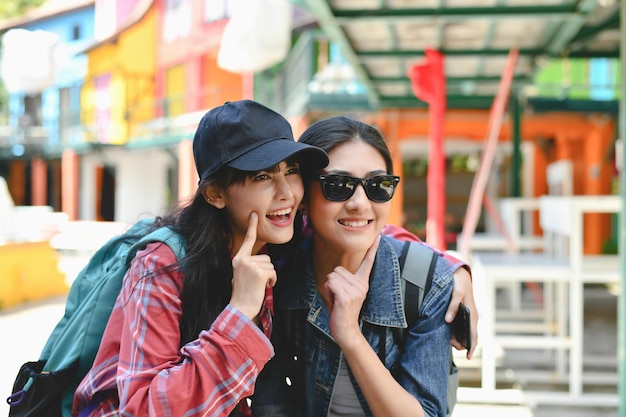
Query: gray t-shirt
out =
(344, 402)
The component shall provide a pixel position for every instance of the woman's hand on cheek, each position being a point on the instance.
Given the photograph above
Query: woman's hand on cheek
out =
(252, 274)
(347, 294)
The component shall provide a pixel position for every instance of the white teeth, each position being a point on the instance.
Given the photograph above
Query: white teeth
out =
(280, 212)
(361, 223)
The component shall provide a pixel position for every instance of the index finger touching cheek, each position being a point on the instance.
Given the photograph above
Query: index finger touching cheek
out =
(250, 238)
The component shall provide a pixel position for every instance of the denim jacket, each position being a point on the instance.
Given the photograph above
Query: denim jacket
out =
(421, 366)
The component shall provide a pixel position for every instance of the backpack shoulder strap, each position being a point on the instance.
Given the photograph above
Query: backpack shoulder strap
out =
(418, 279)
(164, 234)
(416, 276)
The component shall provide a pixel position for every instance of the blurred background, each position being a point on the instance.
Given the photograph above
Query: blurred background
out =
(503, 117)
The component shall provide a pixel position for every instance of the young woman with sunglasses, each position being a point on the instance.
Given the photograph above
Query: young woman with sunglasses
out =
(188, 337)
(346, 286)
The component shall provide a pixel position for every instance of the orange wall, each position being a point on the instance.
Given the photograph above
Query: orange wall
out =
(584, 139)
(217, 85)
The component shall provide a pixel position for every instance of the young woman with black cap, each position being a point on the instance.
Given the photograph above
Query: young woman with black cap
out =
(188, 337)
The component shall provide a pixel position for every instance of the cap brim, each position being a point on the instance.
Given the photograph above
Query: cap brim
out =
(271, 153)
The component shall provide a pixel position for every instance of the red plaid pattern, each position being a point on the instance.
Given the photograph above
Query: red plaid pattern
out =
(265, 317)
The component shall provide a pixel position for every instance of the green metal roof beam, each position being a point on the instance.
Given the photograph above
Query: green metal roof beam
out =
(447, 52)
(587, 32)
(393, 45)
(549, 32)
(570, 27)
(552, 28)
(477, 79)
(609, 53)
(487, 41)
(326, 20)
(348, 15)
(452, 102)
(441, 28)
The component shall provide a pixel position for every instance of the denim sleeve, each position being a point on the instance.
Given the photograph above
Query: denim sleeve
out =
(425, 364)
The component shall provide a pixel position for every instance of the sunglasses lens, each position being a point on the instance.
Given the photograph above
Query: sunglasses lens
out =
(381, 188)
(338, 187)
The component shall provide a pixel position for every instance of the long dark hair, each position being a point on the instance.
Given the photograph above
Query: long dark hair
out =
(207, 267)
(333, 131)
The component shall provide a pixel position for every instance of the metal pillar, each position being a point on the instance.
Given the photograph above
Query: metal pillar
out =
(621, 316)
(516, 133)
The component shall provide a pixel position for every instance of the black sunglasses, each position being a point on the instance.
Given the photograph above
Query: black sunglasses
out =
(379, 188)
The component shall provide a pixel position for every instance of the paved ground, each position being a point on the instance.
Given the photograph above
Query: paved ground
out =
(25, 329)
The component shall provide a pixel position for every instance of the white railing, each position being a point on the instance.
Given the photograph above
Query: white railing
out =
(562, 269)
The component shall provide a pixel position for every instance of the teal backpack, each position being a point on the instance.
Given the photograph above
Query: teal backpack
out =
(46, 387)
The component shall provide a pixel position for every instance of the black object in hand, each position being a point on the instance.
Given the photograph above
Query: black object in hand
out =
(461, 326)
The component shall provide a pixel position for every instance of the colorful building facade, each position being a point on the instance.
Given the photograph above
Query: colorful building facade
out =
(43, 112)
(150, 71)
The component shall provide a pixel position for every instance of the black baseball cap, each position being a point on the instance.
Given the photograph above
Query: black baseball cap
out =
(248, 136)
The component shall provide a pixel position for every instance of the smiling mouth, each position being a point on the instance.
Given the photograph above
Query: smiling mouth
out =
(359, 223)
(280, 215)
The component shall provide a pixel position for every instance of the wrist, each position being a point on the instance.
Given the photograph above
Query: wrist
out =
(352, 343)
(248, 312)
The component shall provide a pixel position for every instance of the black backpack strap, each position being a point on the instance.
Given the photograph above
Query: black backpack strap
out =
(416, 276)
(416, 281)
